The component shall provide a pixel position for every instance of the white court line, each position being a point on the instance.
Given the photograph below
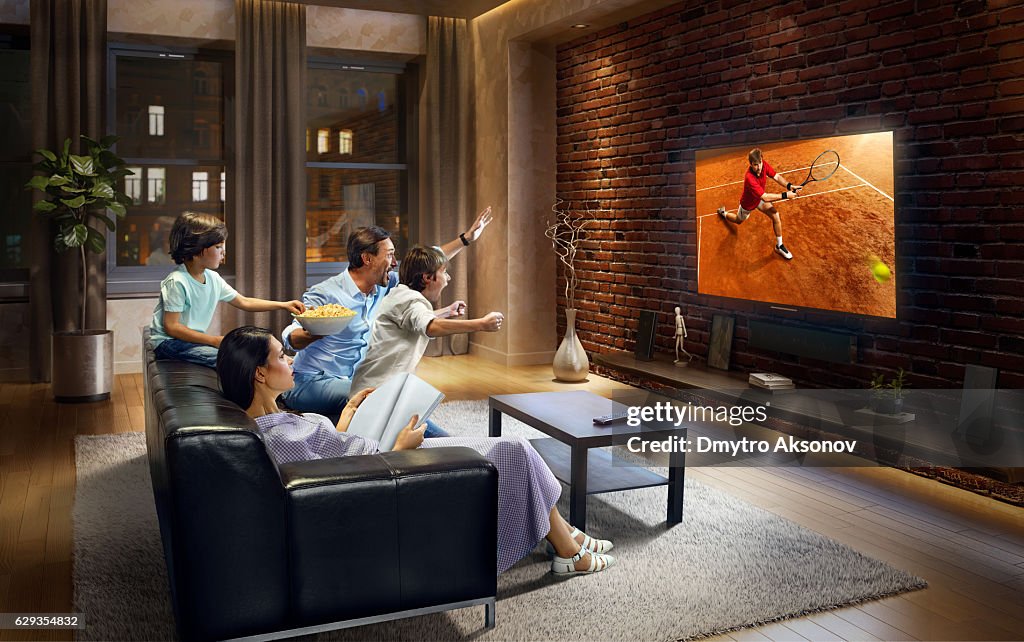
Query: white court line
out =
(795, 169)
(869, 184)
(699, 239)
(838, 189)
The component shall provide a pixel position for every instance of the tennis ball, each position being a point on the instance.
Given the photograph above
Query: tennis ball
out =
(880, 271)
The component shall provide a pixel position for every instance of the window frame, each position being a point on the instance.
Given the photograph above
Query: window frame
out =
(14, 281)
(132, 281)
(319, 270)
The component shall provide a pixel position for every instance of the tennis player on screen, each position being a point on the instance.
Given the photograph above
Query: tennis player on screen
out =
(755, 198)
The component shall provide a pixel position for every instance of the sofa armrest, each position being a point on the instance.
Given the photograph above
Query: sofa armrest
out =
(394, 531)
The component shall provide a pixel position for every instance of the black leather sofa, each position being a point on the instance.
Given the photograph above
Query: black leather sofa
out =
(256, 550)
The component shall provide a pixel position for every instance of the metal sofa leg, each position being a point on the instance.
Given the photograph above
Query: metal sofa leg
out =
(489, 613)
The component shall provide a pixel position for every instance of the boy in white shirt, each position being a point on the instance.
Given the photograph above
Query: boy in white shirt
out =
(190, 294)
(406, 321)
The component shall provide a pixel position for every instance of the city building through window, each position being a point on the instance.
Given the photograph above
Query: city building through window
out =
(352, 186)
(176, 155)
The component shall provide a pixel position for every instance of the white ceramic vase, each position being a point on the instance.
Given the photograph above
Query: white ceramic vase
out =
(571, 362)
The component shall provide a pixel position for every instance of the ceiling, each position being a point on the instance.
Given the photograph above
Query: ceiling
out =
(595, 17)
(448, 8)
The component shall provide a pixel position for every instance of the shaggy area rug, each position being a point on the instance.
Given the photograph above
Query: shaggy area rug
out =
(728, 565)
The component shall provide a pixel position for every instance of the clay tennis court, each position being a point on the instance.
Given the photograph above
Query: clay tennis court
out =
(832, 228)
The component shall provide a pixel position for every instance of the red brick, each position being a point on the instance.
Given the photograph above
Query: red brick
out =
(957, 193)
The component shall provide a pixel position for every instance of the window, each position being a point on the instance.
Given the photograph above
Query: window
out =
(175, 156)
(202, 134)
(202, 85)
(345, 141)
(155, 179)
(156, 120)
(133, 185)
(200, 186)
(16, 156)
(354, 186)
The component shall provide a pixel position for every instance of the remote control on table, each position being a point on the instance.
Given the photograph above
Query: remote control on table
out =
(604, 420)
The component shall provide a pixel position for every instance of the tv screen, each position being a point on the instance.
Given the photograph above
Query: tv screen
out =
(838, 245)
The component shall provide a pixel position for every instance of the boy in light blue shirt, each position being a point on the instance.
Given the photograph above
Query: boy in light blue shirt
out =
(190, 294)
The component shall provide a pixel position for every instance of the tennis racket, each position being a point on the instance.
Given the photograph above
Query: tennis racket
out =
(823, 167)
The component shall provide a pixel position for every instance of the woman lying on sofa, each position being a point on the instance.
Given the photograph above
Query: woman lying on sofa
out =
(254, 371)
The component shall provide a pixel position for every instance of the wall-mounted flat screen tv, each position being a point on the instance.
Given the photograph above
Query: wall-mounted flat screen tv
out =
(838, 231)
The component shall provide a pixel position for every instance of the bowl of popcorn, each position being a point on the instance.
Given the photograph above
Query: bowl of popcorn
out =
(325, 320)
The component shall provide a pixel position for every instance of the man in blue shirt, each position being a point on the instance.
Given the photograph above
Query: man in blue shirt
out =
(324, 365)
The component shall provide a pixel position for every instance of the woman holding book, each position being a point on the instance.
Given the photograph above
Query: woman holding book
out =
(254, 371)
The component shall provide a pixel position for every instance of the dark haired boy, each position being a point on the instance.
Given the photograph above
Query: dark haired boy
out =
(190, 294)
(406, 321)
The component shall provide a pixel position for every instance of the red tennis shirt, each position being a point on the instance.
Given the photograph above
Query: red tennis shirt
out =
(753, 186)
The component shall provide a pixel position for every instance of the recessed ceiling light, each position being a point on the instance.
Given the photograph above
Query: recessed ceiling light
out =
(580, 26)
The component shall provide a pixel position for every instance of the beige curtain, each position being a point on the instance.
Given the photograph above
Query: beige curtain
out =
(269, 241)
(68, 66)
(447, 140)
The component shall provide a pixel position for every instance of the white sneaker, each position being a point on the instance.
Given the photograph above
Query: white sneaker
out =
(781, 249)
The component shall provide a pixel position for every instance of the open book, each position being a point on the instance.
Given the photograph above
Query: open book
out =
(387, 410)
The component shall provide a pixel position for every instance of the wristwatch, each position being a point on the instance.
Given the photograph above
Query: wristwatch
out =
(462, 235)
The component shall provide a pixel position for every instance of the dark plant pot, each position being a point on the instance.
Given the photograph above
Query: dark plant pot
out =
(886, 405)
(83, 366)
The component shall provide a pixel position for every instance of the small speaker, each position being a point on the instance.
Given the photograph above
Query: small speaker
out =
(977, 404)
(645, 336)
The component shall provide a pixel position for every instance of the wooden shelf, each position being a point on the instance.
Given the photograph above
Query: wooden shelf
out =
(662, 369)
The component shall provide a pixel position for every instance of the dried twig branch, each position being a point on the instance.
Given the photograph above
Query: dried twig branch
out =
(566, 231)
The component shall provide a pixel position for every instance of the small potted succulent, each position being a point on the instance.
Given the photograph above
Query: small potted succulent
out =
(887, 397)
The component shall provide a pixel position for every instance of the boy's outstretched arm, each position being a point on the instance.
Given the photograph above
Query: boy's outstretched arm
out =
(252, 304)
(444, 327)
(453, 247)
(178, 330)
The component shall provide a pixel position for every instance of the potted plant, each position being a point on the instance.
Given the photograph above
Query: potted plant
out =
(565, 233)
(887, 398)
(81, 192)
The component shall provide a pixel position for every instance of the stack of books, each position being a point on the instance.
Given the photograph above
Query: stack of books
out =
(770, 381)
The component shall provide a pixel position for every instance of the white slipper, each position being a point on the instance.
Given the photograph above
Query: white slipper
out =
(592, 544)
(567, 565)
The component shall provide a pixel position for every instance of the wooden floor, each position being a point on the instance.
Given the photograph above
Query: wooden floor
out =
(969, 548)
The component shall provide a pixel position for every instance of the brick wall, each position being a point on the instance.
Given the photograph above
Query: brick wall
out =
(637, 100)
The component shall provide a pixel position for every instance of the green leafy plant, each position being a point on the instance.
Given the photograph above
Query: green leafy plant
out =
(898, 383)
(81, 193)
(887, 397)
